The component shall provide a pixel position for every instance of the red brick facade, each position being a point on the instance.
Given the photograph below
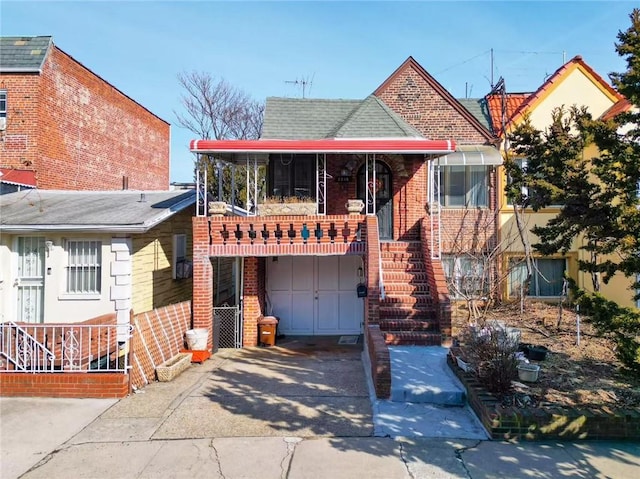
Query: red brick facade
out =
(65, 385)
(423, 103)
(78, 132)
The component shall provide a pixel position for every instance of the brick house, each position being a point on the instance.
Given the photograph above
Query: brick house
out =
(423, 166)
(64, 127)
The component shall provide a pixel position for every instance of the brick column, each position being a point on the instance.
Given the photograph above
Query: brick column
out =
(251, 303)
(372, 261)
(202, 305)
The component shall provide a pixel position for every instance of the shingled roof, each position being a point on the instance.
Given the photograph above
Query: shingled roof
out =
(23, 54)
(479, 108)
(128, 210)
(298, 119)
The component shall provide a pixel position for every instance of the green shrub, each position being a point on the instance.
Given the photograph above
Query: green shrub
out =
(620, 324)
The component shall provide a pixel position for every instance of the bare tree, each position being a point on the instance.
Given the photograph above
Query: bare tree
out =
(214, 109)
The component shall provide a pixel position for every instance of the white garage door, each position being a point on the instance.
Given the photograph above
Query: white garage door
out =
(315, 295)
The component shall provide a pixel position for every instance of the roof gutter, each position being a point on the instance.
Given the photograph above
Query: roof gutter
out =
(409, 146)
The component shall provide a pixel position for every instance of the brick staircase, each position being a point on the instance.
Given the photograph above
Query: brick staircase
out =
(406, 313)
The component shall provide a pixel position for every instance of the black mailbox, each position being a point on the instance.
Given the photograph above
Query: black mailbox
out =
(361, 290)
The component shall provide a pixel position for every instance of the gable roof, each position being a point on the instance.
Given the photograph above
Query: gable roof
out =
(556, 78)
(621, 106)
(309, 119)
(123, 211)
(23, 54)
(512, 102)
(442, 91)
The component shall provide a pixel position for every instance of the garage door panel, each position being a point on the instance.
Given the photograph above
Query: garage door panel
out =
(328, 308)
(302, 313)
(315, 295)
(348, 273)
(279, 273)
(302, 277)
(351, 311)
(281, 305)
(328, 271)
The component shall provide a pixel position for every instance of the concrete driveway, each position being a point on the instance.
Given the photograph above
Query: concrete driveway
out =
(306, 387)
(303, 388)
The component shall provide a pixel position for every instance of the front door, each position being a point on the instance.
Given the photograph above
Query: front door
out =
(382, 188)
(30, 281)
(315, 295)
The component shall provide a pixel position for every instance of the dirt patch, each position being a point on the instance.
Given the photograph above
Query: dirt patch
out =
(583, 375)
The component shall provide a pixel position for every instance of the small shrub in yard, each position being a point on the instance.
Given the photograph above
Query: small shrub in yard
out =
(491, 353)
(618, 323)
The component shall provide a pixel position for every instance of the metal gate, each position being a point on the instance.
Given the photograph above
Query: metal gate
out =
(227, 323)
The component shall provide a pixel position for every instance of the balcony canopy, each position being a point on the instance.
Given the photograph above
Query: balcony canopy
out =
(241, 150)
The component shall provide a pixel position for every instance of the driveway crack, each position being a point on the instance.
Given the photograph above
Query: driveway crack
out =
(459, 451)
(404, 461)
(287, 460)
(216, 457)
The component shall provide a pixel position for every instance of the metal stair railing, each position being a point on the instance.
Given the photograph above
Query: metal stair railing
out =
(23, 351)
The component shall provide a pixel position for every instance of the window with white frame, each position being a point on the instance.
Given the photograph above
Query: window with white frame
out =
(464, 186)
(3, 103)
(465, 276)
(547, 278)
(84, 266)
(182, 267)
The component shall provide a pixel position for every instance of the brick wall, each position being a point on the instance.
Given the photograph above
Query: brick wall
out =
(426, 109)
(80, 133)
(437, 285)
(65, 385)
(548, 422)
(380, 361)
(202, 277)
(19, 145)
(409, 180)
(253, 307)
(158, 335)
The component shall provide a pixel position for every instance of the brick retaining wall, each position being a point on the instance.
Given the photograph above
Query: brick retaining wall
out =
(549, 422)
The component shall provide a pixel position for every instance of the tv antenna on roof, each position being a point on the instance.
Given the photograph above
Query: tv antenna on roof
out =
(303, 83)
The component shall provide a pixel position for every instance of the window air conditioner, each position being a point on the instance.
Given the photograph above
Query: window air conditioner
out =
(3, 123)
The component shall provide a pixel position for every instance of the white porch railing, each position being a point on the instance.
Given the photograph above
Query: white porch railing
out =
(49, 348)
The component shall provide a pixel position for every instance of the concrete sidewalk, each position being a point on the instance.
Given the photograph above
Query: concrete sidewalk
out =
(225, 419)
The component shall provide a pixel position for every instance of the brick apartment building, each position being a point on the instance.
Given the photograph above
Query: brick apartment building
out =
(64, 127)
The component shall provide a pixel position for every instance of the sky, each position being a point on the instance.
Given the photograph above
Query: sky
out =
(339, 49)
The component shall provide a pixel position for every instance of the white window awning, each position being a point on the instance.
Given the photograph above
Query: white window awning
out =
(471, 155)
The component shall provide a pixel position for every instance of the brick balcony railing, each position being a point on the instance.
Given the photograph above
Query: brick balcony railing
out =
(287, 235)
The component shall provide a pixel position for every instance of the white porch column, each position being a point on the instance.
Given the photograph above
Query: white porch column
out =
(121, 290)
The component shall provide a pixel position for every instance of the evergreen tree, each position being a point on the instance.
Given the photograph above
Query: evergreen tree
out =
(591, 168)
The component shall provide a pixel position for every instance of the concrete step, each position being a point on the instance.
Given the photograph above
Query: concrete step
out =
(412, 338)
(396, 325)
(420, 374)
